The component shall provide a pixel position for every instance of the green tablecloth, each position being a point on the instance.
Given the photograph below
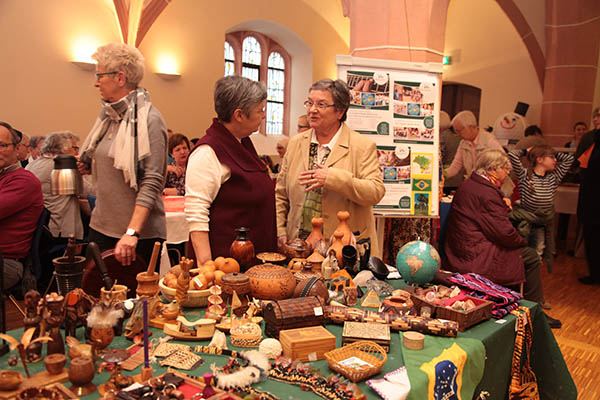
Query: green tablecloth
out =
(554, 379)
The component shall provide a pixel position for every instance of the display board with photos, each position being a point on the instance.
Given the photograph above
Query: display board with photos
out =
(397, 104)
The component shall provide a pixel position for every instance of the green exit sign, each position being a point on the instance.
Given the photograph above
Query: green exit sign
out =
(447, 60)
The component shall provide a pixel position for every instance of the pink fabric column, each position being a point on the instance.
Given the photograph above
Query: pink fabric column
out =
(402, 30)
(572, 45)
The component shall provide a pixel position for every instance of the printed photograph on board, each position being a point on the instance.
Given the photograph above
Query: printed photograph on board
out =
(413, 99)
(369, 90)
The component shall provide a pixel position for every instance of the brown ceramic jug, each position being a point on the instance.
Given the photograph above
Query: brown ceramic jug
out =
(348, 238)
(242, 249)
(337, 245)
(316, 234)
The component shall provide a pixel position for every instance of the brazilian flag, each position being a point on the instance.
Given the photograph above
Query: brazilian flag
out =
(446, 368)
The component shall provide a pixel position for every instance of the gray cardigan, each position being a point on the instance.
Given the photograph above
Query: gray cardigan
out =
(115, 199)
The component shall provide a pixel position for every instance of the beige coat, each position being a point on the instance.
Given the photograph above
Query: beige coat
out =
(354, 183)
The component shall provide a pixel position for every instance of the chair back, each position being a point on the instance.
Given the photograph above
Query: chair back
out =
(35, 252)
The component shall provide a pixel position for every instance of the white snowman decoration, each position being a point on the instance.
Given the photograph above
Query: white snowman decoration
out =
(509, 128)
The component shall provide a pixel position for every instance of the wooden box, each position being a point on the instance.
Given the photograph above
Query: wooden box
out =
(378, 333)
(306, 344)
(293, 313)
(466, 319)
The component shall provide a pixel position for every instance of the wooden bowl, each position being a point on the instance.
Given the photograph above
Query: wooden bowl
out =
(10, 380)
(194, 298)
(55, 363)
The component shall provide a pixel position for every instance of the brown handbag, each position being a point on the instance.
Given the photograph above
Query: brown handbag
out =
(523, 384)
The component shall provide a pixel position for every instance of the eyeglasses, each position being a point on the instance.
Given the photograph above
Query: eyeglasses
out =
(320, 106)
(101, 74)
(4, 146)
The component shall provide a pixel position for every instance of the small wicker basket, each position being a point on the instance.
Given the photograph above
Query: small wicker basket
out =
(372, 355)
(247, 335)
(194, 298)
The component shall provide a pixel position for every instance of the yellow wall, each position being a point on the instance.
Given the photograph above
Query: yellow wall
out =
(493, 58)
(43, 92)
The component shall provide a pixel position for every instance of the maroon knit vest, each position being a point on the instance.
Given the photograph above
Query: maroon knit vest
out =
(246, 199)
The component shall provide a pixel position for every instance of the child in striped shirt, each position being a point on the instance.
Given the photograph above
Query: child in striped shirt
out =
(537, 189)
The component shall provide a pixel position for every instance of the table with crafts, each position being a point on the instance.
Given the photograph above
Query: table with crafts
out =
(497, 336)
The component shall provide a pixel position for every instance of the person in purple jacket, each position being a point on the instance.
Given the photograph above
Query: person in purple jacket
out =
(480, 237)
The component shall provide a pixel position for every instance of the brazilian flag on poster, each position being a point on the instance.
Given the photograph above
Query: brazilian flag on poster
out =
(446, 368)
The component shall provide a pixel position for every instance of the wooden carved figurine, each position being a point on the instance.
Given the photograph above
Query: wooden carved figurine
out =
(348, 237)
(32, 320)
(76, 306)
(54, 307)
(183, 280)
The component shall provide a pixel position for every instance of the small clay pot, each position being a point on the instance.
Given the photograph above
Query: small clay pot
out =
(55, 363)
(81, 373)
(10, 380)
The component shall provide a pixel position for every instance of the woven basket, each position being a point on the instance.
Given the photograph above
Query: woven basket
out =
(247, 335)
(194, 298)
(365, 350)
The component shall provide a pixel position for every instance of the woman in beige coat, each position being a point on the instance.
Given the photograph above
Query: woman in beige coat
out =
(327, 169)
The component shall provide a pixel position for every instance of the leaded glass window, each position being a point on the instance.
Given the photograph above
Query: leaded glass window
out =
(275, 94)
(229, 60)
(251, 56)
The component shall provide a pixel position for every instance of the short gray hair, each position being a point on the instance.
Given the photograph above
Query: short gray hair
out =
(57, 143)
(35, 141)
(490, 159)
(124, 58)
(466, 118)
(339, 92)
(233, 92)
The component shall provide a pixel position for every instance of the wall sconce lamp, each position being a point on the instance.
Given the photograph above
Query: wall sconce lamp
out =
(167, 67)
(84, 65)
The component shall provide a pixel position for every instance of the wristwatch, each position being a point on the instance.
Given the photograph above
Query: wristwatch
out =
(132, 232)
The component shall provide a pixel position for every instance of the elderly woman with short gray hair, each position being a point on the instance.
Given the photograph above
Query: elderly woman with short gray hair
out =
(65, 219)
(327, 169)
(480, 237)
(227, 185)
(126, 153)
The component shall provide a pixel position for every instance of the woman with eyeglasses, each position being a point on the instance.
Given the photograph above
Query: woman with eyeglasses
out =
(480, 237)
(327, 169)
(126, 153)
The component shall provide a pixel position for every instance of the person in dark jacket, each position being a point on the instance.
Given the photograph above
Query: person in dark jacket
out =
(480, 237)
(588, 213)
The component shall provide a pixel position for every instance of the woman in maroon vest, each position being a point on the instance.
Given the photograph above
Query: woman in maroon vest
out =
(227, 185)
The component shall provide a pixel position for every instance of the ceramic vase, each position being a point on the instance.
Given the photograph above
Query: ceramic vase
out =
(317, 234)
(348, 237)
(337, 245)
(242, 249)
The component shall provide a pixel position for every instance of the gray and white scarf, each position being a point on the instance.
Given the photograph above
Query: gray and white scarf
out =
(122, 149)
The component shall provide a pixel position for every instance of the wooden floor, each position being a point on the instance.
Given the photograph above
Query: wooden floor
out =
(576, 305)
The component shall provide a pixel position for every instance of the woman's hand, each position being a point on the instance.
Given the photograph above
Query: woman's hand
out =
(508, 202)
(315, 178)
(175, 169)
(83, 168)
(125, 249)
(281, 240)
(170, 192)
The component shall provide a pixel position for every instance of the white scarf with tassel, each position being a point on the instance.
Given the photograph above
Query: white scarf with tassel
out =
(122, 149)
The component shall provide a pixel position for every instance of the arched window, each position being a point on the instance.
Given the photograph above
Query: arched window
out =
(258, 57)
(229, 60)
(251, 58)
(275, 91)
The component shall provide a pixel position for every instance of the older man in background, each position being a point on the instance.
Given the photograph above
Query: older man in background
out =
(35, 145)
(474, 142)
(21, 205)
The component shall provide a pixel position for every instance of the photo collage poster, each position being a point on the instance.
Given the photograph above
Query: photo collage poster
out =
(398, 109)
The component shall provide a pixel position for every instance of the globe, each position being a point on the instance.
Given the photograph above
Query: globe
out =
(417, 262)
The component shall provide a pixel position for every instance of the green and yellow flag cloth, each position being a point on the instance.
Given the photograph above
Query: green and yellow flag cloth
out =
(446, 368)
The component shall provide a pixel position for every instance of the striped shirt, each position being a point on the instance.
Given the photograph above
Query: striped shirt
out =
(545, 187)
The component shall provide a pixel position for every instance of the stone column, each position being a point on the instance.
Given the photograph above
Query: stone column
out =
(572, 45)
(402, 30)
